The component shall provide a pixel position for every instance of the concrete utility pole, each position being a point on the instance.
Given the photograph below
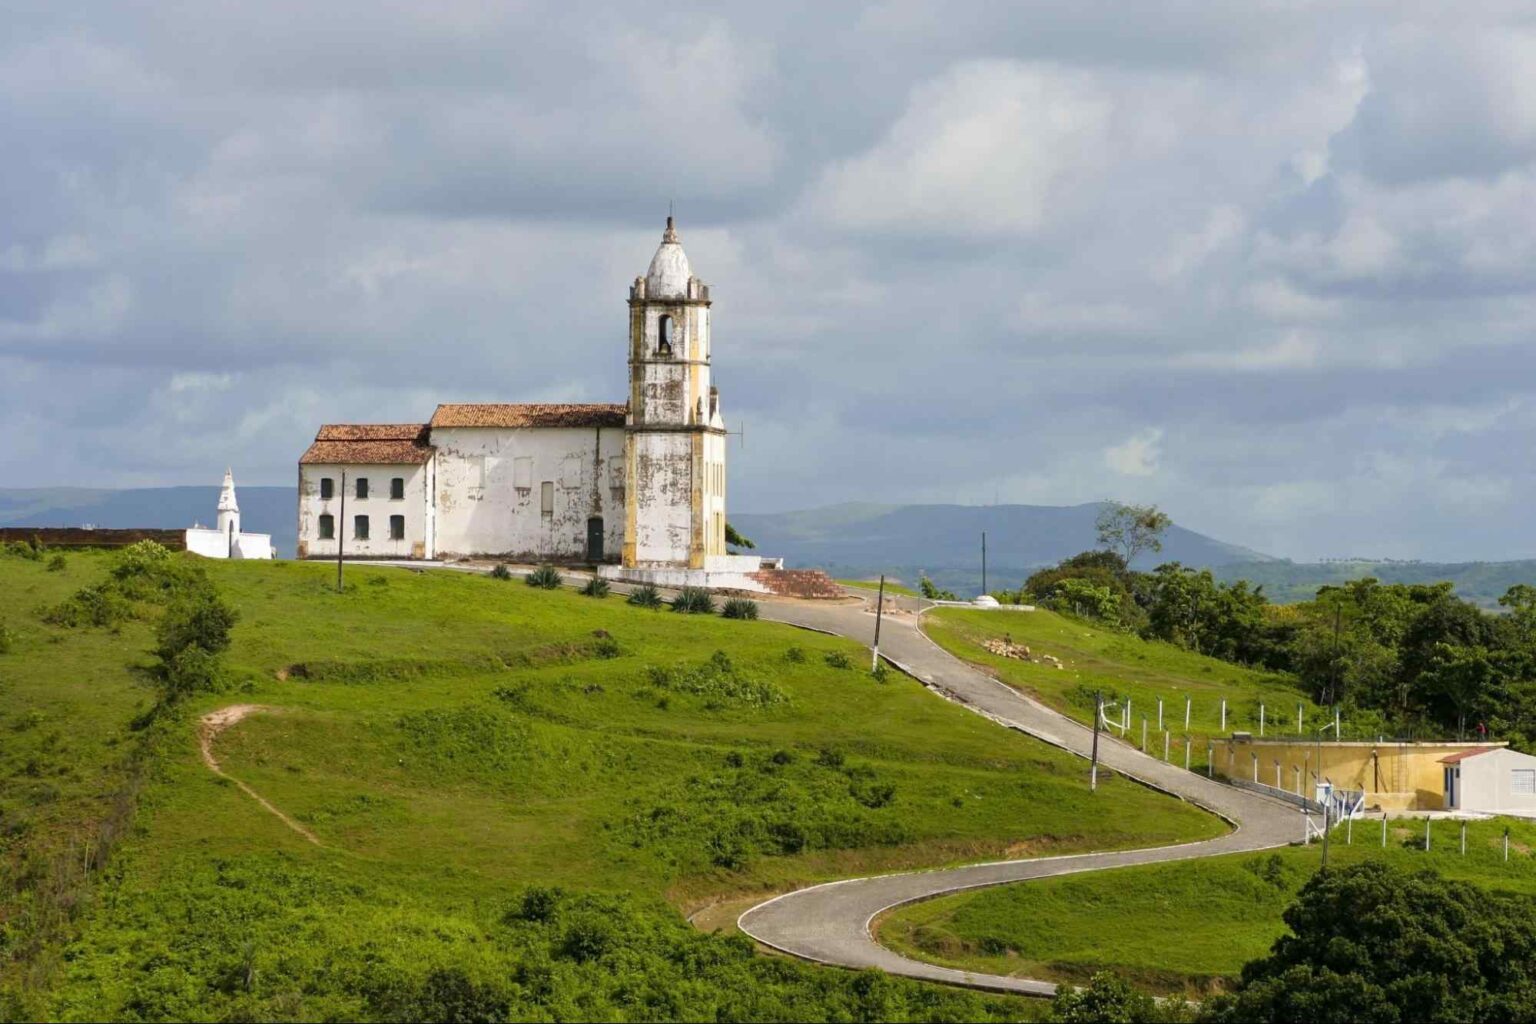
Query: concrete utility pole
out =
(1093, 764)
(879, 611)
(341, 529)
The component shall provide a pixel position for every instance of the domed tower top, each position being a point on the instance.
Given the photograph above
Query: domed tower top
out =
(670, 273)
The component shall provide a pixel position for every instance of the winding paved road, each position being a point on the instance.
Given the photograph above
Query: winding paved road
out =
(830, 923)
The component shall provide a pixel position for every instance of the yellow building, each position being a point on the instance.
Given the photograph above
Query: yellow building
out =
(1395, 776)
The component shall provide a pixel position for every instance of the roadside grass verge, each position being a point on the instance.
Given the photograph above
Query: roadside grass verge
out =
(1185, 927)
(891, 586)
(1122, 666)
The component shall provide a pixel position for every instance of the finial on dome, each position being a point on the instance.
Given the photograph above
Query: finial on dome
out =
(669, 235)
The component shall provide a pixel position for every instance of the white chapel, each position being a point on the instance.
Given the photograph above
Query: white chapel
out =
(637, 488)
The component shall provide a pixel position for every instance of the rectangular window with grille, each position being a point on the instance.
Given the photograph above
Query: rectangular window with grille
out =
(397, 489)
(362, 487)
(360, 527)
(327, 488)
(327, 527)
(1522, 781)
(397, 527)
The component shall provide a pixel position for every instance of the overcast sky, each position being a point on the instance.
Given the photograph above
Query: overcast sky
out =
(1269, 265)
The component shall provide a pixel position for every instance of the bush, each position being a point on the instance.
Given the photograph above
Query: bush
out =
(739, 608)
(100, 605)
(596, 587)
(57, 563)
(932, 592)
(501, 572)
(202, 622)
(21, 549)
(694, 601)
(193, 670)
(645, 596)
(880, 672)
(795, 655)
(837, 659)
(545, 577)
(140, 559)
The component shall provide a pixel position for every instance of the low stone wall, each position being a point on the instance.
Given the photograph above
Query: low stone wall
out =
(79, 537)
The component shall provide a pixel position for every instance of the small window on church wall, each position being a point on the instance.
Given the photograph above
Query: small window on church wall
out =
(327, 527)
(362, 487)
(397, 527)
(664, 335)
(359, 527)
(547, 497)
(397, 489)
(327, 488)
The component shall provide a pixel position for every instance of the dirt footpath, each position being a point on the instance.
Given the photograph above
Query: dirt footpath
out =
(208, 729)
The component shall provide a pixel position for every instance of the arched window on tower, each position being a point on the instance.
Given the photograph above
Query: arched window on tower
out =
(664, 336)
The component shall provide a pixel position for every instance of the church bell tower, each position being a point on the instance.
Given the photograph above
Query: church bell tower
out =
(674, 445)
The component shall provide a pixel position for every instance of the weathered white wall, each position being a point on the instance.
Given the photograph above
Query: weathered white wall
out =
(213, 543)
(484, 507)
(1485, 782)
(661, 476)
(378, 507)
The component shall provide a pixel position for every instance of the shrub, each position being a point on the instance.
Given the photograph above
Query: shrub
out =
(7, 639)
(100, 605)
(837, 659)
(57, 563)
(501, 572)
(545, 577)
(193, 670)
(21, 549)
(596, 587)
(795, 655)
(880, 672)
(694, 601)
(202, 622)
(141, 558)
(932, 592)
(645, 596)
(739, 608)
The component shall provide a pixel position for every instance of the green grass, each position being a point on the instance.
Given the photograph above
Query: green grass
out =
(891, 586)
(1124, 666)
(1183, 927)
(452, 740)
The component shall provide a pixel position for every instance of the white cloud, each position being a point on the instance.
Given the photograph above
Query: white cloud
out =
(1137, 455)
(986, 148)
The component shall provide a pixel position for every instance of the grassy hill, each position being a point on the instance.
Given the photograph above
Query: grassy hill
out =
(1122, 666)
(1184, 927)
(517, 795)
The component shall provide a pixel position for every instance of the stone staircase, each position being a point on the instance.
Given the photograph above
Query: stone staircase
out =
(810, 583)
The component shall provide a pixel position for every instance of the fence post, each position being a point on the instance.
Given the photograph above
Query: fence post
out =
(1126, 718)
(1298, 720)
(1159, 714)
(1165, 746)
(1427, 822)
(1306, 827)
(1349, 830)
(1463, 839)
(1279, 780)
(1210, 759)
(1223, 714)
(1143, 734)
(1383, 830)
(1261, 721)
(1255, 766)
(1186, 714)
(1186, 752)
(1506, 844)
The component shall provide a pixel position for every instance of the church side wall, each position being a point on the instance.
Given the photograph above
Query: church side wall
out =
(490, 491)
(378, 507)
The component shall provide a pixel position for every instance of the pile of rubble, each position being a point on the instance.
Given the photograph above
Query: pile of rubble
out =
(1006, 648)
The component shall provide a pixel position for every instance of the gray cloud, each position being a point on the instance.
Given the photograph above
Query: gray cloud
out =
(1271, 266)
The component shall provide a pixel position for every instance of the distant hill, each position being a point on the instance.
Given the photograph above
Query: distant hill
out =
(855, 540)
(262, 509)
(1286, 582)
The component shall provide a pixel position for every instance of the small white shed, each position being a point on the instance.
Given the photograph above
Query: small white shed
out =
(1495, 780)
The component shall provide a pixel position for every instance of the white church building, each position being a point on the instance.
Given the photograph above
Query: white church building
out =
(637, 488)
(225, 540)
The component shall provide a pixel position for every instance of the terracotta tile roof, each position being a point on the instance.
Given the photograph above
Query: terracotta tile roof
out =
(386, 444)
(1462, 755)
(370, 431)
(527, 414)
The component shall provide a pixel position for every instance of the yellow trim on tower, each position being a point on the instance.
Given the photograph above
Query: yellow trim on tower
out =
(696, 502)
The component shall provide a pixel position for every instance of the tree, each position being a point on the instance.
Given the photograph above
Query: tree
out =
(736, 540)
(1379, 944)
(1128, 530)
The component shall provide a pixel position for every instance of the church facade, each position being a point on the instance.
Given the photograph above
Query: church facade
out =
(638, 486)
